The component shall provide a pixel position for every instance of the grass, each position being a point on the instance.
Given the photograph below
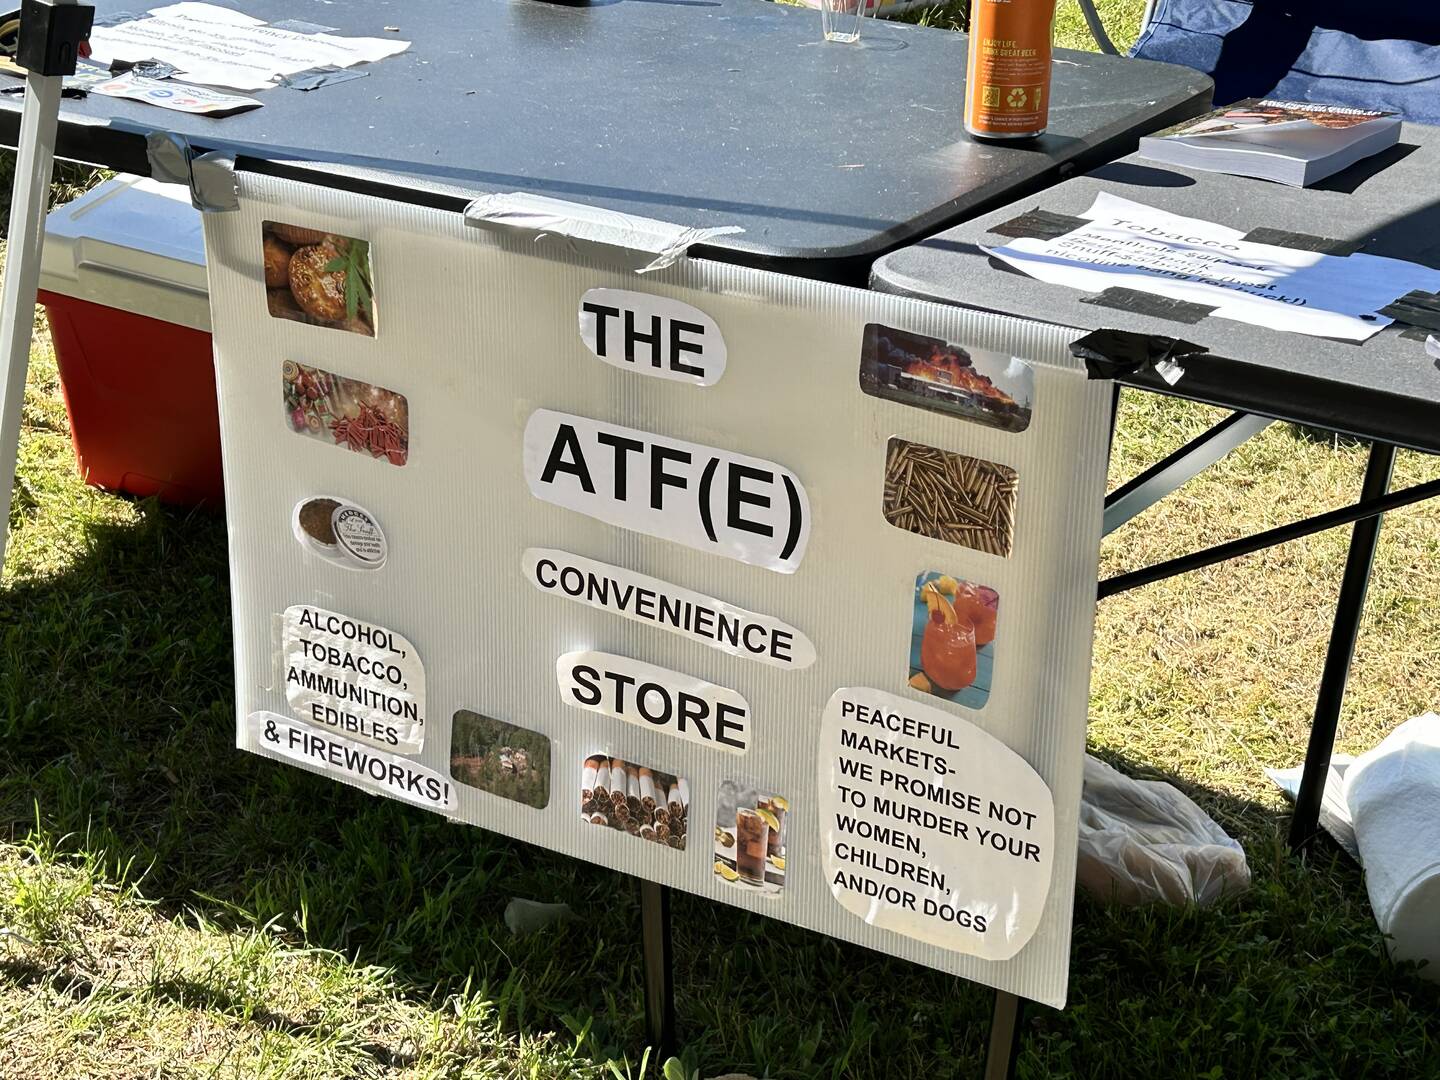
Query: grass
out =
(173, 908)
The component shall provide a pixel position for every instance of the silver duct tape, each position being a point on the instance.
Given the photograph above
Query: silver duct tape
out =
(212, 183)
(643, 244)
(209, 176)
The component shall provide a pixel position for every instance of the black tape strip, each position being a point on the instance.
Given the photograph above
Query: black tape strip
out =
(1038, 225)
(1143, 303)
(1111, 353)
(1301, 241)
(1416, 308)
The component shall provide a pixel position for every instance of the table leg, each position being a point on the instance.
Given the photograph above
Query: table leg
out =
(659, 967)
(29, 197)
(1004, 1045)
(1144, 491)
(1348, 608)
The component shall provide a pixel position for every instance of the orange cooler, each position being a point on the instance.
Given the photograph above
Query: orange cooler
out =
(123, 285)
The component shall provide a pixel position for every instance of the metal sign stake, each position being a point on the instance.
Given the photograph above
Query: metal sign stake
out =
(659, 967)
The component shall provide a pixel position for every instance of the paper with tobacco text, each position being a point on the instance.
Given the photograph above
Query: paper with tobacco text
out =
(219, 47)
(1128, 245)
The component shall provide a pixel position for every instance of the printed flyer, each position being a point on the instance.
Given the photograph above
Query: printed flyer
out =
(774, 591)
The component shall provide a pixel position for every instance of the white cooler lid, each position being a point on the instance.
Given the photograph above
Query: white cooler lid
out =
(130, 244)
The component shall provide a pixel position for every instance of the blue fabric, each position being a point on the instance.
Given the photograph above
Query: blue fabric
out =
(1380, 54)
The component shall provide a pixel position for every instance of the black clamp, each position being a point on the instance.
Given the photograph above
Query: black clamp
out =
(51, 36)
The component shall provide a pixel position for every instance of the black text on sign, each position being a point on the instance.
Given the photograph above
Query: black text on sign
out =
(652, 335)
(708, 499)
(655, 698)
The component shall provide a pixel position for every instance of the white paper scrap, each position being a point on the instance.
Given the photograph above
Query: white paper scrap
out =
(219, 47)
(172, 95)
(1128, 245)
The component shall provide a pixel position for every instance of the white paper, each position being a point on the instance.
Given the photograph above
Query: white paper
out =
(708, 499)
(1334, 813)
(375, 770)
(932, 827)
(652, 335)
(1128, 245)
(219, 47)
(692, 615)
(655, 698)
(354, 677)
(172, 95)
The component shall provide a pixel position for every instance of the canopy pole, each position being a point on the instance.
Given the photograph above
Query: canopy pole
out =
(29, 197)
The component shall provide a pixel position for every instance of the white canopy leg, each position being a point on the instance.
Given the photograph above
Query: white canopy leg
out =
(29, 198)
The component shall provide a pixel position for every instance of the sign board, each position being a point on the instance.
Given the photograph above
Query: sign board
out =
(775, 591)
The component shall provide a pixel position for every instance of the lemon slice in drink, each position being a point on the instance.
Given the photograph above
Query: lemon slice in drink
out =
(770, 818)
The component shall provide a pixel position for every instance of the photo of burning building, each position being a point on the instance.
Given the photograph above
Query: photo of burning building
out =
(928, 373)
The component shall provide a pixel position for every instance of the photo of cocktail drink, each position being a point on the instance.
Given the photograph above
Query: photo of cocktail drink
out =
(751, 837)
(777, 807)
(752, 844)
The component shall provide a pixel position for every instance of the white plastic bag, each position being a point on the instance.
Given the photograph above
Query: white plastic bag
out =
(1144, 840)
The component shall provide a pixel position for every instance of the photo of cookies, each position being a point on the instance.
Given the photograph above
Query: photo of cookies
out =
(319, 278)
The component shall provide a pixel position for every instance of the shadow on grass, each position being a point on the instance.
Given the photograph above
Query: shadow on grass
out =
(116, 711)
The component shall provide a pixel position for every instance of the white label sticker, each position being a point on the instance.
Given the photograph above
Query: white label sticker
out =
(354, 677)
(646, 599)
(359, 535)
(932, 827)
(708, 499)
(655, 698)
(374, 770)
(652, 335)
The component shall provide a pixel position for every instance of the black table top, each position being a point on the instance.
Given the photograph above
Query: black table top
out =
(1386, 388)
(696, 112)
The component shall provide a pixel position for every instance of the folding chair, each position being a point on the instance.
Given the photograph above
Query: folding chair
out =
(1384, 54)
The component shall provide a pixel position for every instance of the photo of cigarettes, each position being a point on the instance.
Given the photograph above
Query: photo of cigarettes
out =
(961, 500)
(751, 830)
(631, 798)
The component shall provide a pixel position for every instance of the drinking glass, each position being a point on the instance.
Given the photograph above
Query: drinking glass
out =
(752, 843)
(777, 807)
(840, 19)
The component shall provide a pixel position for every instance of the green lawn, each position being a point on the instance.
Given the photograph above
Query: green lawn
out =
(174, 908)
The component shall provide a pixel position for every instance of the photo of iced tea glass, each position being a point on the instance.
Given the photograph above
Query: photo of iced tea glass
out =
(752, 844)
(777, 807)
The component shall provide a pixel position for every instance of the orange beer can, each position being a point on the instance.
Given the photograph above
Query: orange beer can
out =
(1007, 89)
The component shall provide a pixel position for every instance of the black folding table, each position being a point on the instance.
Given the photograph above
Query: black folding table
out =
(693, 112)
(1385, 391)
